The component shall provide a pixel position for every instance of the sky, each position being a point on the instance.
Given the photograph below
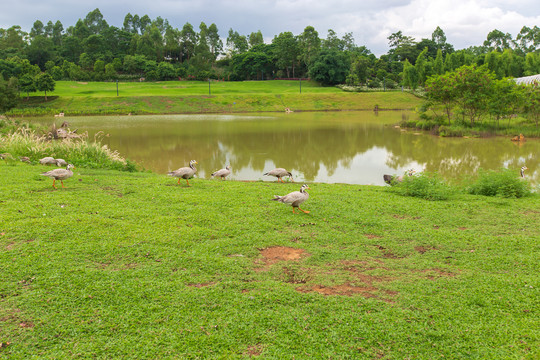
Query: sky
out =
(464, 22)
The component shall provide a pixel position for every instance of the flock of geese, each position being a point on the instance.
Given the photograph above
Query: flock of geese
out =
(294, 198)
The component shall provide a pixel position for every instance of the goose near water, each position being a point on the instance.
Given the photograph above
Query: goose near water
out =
(223, 173)
(391, 179)
(279, 173)
(522, 171)
(185, 172)
(60, 174)
(295, 198)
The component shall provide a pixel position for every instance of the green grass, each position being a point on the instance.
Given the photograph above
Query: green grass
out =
(130, 265)
(173, 97)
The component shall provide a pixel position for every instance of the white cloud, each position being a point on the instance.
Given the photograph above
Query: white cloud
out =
(465, 22)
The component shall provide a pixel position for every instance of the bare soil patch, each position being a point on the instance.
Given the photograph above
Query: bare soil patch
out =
(282, 253)
(372, 236)
(423, 249)
(200, 285)
(254, 350)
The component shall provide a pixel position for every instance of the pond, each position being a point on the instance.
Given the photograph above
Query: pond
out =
(333, 147)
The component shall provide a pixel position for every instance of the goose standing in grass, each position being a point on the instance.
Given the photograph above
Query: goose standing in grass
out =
(61, 162)
(185, 172)
(279, 173)
(522, 171)
(223, 173)
(48, 160)
(60, 174)
(391, 179)
(295, 198)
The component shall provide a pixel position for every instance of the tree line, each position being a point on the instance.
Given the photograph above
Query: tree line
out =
(93, 50)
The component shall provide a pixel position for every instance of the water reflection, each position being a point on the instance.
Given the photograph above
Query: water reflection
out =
(347, 147)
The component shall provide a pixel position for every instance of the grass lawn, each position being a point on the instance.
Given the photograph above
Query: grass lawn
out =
(173, 97)
(130, 265)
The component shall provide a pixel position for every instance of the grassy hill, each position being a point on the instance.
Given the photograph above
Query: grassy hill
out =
(79, 98)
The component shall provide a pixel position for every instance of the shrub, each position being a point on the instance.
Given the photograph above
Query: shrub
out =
(79, 151)
(505, 183)
(424, 185)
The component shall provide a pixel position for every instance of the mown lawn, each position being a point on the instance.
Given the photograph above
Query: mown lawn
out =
(130, 265)
(174, 97)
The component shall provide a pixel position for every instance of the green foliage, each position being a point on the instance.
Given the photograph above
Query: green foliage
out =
(504, 183)
(8, 94)
(330, 67)
(425, 186)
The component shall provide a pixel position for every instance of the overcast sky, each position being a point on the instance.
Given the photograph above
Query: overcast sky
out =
(465, 22)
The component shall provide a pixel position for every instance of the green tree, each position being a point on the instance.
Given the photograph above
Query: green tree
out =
(498, 41)
(421, 67)
(8, 94)
(441, 90)
(236, 43)
(438, 63)
(330, 67)
(473, 86)
(214, 41)
(310, 45)
(188, 40)
(286, 51)
(110, 72)
(255, 38)
(532, 102)
(27, 84)
(410, 76)
(166, 71)
(506, 99)
(45, 82)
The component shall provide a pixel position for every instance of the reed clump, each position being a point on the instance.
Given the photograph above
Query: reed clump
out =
(79, 150)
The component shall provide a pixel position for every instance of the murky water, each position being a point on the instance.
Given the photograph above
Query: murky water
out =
(332, 147)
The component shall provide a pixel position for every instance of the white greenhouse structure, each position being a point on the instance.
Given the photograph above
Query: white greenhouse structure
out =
(527, 80)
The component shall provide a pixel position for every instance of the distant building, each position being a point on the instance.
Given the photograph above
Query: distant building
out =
(527, 80)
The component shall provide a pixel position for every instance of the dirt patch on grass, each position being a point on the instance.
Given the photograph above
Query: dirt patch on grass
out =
(200, 285)
(281, 253)
(387, 253)
(254, 350)
(423, 249)
(373, 236)
(435, 273)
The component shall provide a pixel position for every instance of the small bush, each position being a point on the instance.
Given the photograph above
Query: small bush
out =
(425, 186)
(505, 183)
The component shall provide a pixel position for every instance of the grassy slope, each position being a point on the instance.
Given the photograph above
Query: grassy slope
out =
(133, 266)
(192, 97)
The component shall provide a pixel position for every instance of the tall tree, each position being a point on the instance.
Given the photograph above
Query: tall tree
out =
(255, 38)
(236, 43)
(8, 94)
(214, 41)
(37, 29)
(286, 51)
(188, 40)
(45, 82)
(310, 45)
(498, 41)
(94, 22)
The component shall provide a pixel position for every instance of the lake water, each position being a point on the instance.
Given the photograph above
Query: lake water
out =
(332, 147)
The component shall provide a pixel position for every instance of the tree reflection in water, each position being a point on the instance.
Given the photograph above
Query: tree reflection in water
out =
(349, 147)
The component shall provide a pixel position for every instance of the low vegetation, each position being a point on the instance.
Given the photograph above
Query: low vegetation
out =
(472, 101)
(25, 142)
(124, 264)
